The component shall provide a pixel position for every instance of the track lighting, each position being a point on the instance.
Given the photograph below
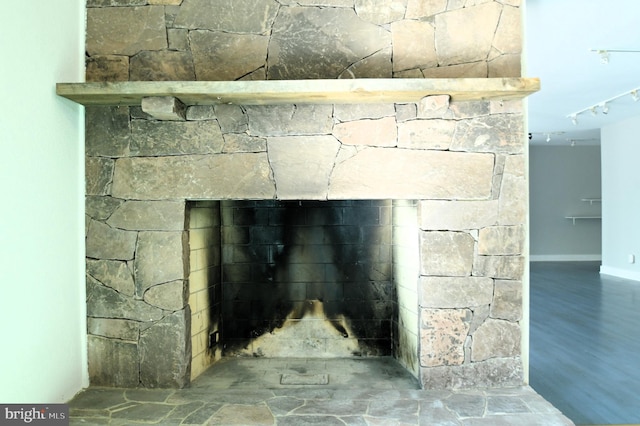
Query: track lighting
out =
(604, 56)
(604, 105)
(604, 53)
(574, 119)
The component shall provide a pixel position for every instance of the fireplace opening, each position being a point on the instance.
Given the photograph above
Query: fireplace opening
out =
(303, 279)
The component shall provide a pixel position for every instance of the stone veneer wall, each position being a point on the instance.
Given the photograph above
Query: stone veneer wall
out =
(205, 283)
(464, 162)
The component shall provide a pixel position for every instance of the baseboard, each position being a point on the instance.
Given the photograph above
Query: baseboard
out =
(620, 273)
(565, 258)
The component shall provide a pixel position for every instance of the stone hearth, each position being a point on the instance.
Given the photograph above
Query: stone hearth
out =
(149, 182)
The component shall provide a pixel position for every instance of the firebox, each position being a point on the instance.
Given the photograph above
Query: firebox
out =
(303, 278)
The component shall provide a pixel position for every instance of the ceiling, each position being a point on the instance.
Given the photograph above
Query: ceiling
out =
(559, 37)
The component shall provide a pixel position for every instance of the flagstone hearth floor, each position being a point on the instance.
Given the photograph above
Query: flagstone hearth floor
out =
(299, 392)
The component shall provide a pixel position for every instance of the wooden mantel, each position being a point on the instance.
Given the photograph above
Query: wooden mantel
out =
(263, 92)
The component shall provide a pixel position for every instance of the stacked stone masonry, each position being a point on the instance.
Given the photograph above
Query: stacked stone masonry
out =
(464, 163)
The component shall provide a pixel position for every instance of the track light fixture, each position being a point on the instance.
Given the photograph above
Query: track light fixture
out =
(547, 136)
(604, 105)
(604, 53)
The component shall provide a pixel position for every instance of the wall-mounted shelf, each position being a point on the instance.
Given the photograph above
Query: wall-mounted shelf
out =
(591, 200)
(574, 218)
(263, 92)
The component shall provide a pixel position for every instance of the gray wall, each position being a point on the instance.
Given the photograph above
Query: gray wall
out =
(560, 176)
(621, 203)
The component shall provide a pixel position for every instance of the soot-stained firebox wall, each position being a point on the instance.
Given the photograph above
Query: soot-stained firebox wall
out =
(313, 276)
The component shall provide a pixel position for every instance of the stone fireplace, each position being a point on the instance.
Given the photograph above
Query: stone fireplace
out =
(215, 232)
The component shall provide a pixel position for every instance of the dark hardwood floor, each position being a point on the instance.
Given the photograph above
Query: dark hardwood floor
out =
(585, 342)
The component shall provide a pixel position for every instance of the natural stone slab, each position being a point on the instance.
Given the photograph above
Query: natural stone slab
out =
(227, 57)
(507, 300)
(165, 352)
(113, 328)
(495, 339)
(107, 68)
(159, 259)
(232, 118)
(163, 65)
(164, 108)
(244, 175)
(457, 215)
(352, 112)
(472, 70)
(426, 134)
(435, 106)
(412, 174)
(513, 199)
(506, 267)
(505, 66)
(492, 373)
(349, 40)
(233, 16)
(200, 112)
(503, 133)
(413, 45)
(100, 207)
(302, 165)
(150, 138)
(501, 240)
(135, 412)
(171, 296)
(380, 12)
(455, 292)
(149, 216)
(98, 175)
(378, 65)
(420, 9)
(104, 302)
(105, 242)
(107, 131)
(508, 37)
(166, 2)
(457, 42)
(288, 120)
(112, 362)
(446, 253)
(380, 132)
(178, 39)
(241, 142)
(442, 335)
(248, 415)
(304, 379)
(125, 30)
(112, 273)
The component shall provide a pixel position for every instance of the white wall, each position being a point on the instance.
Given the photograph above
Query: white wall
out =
(560, 176)
(621, 198)
(42, 306)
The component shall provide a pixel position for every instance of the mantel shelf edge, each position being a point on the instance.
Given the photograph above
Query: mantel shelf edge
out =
(268, 92)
